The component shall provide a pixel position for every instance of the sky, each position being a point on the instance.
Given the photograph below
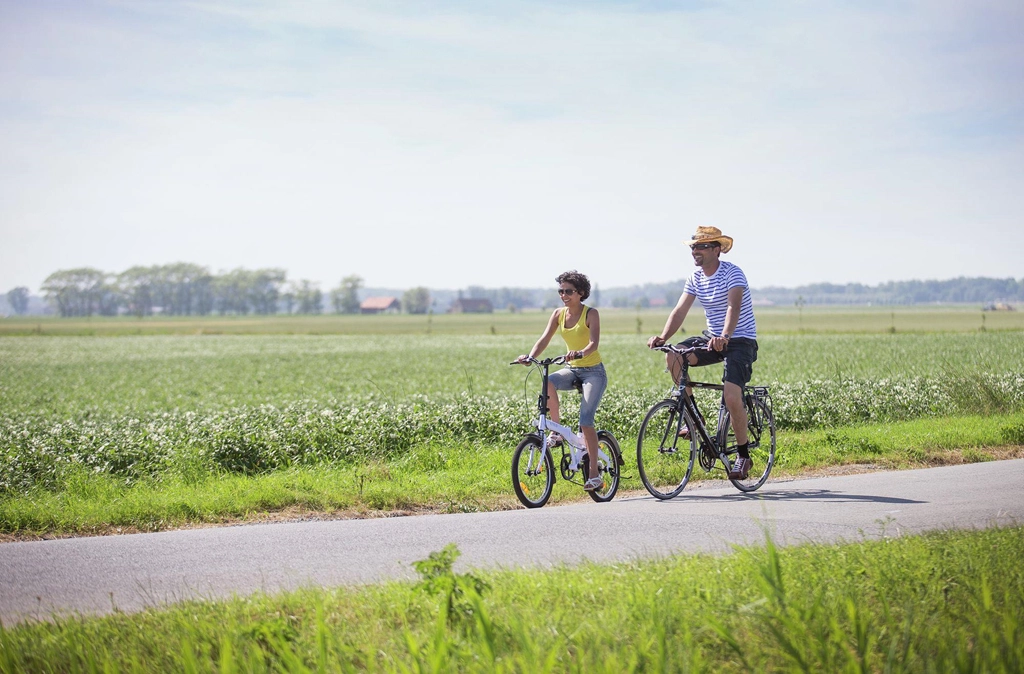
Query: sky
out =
(493, 143)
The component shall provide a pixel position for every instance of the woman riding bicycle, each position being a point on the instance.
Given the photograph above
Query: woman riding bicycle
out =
(580, 328)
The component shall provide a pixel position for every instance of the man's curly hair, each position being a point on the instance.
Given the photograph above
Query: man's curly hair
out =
(579, 281)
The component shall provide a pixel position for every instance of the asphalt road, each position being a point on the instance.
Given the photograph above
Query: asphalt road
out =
(128, 573)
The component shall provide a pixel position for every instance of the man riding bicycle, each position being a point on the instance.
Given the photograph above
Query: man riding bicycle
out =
(722, 290)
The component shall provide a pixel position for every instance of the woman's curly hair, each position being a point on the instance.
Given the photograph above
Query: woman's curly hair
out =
(579, 281)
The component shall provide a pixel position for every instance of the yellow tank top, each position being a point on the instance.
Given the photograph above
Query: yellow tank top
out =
(577, 337)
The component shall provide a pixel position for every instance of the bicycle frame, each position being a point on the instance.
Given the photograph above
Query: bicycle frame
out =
(692, 414)
(546, 426)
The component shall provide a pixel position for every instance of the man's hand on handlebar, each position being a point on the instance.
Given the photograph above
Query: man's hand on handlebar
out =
(718, 343)
(655, 342)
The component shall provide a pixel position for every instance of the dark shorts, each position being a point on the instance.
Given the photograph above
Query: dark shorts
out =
(739, 357)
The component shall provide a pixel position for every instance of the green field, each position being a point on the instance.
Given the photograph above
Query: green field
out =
(71, 376)
(150, 432)
(124, 432)
(771, 320)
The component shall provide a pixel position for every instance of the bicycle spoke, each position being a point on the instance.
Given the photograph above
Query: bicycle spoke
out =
(664, 460)
(533, 475)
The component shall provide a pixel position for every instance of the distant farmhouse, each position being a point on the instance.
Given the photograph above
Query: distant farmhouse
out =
(380, 305)
(471, 306)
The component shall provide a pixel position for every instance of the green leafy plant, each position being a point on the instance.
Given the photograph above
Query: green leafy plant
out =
(457, 590)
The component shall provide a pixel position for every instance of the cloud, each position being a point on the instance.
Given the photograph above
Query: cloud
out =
(447, 145)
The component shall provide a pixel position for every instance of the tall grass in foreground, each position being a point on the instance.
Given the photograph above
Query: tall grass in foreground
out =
(943, 602)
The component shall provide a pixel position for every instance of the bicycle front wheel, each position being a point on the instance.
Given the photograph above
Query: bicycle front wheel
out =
(533, 472)
(761, 439)
(664, 459)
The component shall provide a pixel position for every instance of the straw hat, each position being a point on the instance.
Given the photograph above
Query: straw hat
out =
(709, 235)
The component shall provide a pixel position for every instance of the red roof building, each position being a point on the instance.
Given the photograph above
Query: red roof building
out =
(380, 305)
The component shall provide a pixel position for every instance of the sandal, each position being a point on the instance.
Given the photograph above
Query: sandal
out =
(684, 432)
(593, 484)
(555, 440)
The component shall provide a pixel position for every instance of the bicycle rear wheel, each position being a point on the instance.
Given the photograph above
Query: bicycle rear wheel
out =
(761, 439)
(533, 472)
(664, 459)
(609, 470)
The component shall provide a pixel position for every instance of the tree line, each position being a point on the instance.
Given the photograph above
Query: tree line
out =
(185, 289)
(950, 291)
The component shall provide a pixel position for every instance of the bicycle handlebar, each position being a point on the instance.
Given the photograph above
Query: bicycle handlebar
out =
(681, 350)
(560, 360)
(672, 348)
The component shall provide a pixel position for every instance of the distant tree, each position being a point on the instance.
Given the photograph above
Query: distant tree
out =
(242, 291)
(500, 297)
(288, 297)
(78, 292)
(230, 292)
(264, 290)
(108, 299)
(136, 288)
(416, 300)
(345, 298)
(178, 289)
(595, 297)
(336, 301)
(18, 299)
(309, 297)
(185, 284)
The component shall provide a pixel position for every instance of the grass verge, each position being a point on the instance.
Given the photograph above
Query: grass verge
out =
(461, 477)
(947, 601)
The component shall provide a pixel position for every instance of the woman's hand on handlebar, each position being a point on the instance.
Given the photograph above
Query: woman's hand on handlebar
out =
(523, 359)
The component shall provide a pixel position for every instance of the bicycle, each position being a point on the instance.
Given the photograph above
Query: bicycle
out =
(665, 467)
(533, 467)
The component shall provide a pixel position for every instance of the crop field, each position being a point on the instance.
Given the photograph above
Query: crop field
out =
(137, 407)
(70, 377)
(770, 320)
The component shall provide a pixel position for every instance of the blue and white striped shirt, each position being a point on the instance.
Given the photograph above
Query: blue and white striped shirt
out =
(713, 294)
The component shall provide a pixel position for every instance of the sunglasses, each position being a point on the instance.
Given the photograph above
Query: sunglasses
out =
(566, 291)
(703, 246)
